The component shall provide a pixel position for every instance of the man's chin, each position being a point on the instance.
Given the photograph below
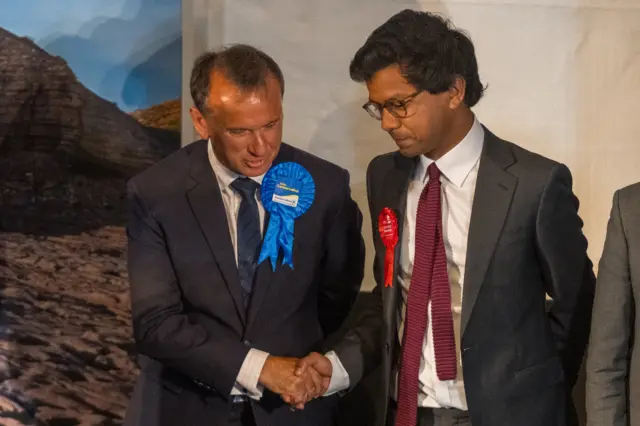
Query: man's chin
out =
(409, 152)
(407, 147)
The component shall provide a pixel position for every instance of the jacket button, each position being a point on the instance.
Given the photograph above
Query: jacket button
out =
(386, 347)
(247, 343)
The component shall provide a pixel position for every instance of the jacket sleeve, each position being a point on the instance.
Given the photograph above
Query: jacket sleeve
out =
(611, 330)
(566, 269)
(343, 263)
(360, 350)
(161, 330)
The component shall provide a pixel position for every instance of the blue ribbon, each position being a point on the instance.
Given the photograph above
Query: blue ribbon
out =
(287, 193)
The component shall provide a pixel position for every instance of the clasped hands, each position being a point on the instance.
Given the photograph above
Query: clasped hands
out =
(297, 381)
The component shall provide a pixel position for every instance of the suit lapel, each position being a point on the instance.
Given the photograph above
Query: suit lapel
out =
(394, 195)
(494, 191)
(207, 206)
(265, 277)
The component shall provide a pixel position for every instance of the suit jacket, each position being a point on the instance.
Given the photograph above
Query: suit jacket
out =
(189, 321)
(613, 364)
(525, 239)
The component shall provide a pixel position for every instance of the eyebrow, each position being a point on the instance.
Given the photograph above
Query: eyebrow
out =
(246, 128)
(395, 97)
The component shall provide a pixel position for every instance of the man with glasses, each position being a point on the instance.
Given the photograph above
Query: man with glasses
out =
(470, 232)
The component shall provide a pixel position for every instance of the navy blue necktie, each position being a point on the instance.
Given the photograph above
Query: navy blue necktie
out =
(249, 238)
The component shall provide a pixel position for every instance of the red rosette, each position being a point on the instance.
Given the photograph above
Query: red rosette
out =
(388, 229)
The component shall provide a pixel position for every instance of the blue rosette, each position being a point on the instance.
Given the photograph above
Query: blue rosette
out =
(288, 190)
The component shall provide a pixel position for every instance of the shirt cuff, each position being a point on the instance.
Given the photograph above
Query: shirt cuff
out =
(339, 376)
(247, 380)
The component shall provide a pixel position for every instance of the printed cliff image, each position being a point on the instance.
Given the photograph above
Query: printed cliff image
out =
(66, 352)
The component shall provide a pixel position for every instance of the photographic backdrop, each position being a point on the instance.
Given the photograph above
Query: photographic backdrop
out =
(91, 95)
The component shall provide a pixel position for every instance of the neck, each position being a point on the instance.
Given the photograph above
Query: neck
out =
(458, 128)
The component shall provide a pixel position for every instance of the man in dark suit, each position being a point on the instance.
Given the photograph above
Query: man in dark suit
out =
(613, 362)
(471, 232)
(219, 334)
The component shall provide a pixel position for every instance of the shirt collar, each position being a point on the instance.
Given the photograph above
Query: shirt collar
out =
(224, 175)
(456, 164)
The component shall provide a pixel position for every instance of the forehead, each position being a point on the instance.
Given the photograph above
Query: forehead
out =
(254, 107)
(388, 83)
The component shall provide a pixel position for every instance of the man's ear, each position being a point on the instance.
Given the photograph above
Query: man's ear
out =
(457, 92)
(199, 122)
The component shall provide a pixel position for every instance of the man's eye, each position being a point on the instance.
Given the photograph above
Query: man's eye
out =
(237, 132)
(395, 104)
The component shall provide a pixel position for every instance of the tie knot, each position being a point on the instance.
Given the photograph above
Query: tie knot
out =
(245, 187)
(434, 172)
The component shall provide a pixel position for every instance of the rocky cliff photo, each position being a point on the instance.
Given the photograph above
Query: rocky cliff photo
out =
(66, 354)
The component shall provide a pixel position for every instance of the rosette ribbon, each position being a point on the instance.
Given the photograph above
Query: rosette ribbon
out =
(388, 229)
(288, 190)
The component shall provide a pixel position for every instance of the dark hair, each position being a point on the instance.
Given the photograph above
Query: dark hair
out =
(246, 66)
(429, 51)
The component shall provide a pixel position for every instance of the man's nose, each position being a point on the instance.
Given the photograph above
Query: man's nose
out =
(388, 121)
(258, 146)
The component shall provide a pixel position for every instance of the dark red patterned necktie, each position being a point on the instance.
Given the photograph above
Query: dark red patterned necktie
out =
(429, 281)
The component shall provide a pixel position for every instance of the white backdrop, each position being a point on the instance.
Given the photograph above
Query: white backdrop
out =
(563, 76)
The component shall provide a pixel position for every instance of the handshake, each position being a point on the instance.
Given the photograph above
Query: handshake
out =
(297, 381)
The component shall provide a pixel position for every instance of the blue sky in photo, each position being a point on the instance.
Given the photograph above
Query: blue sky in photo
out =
(127, 51)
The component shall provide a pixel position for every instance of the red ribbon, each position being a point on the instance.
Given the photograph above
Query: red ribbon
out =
(388, 228)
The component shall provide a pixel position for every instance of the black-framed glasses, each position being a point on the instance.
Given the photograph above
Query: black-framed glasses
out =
(396, 107)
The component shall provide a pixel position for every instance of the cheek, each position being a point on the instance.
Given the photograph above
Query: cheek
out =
(418, 126)
(427, 124)
(232, 147)
(273, 138)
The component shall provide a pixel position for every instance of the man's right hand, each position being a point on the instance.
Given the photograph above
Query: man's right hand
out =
(320, 368)
(278, 375)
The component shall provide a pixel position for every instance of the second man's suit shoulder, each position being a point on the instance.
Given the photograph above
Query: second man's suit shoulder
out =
(383, 162)
(526, 161)
(530, 160)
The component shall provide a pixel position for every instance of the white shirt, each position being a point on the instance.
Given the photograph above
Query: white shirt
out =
(459, 171)
(247, 380)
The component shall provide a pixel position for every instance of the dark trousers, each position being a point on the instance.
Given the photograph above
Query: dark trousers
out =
(433, 416)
